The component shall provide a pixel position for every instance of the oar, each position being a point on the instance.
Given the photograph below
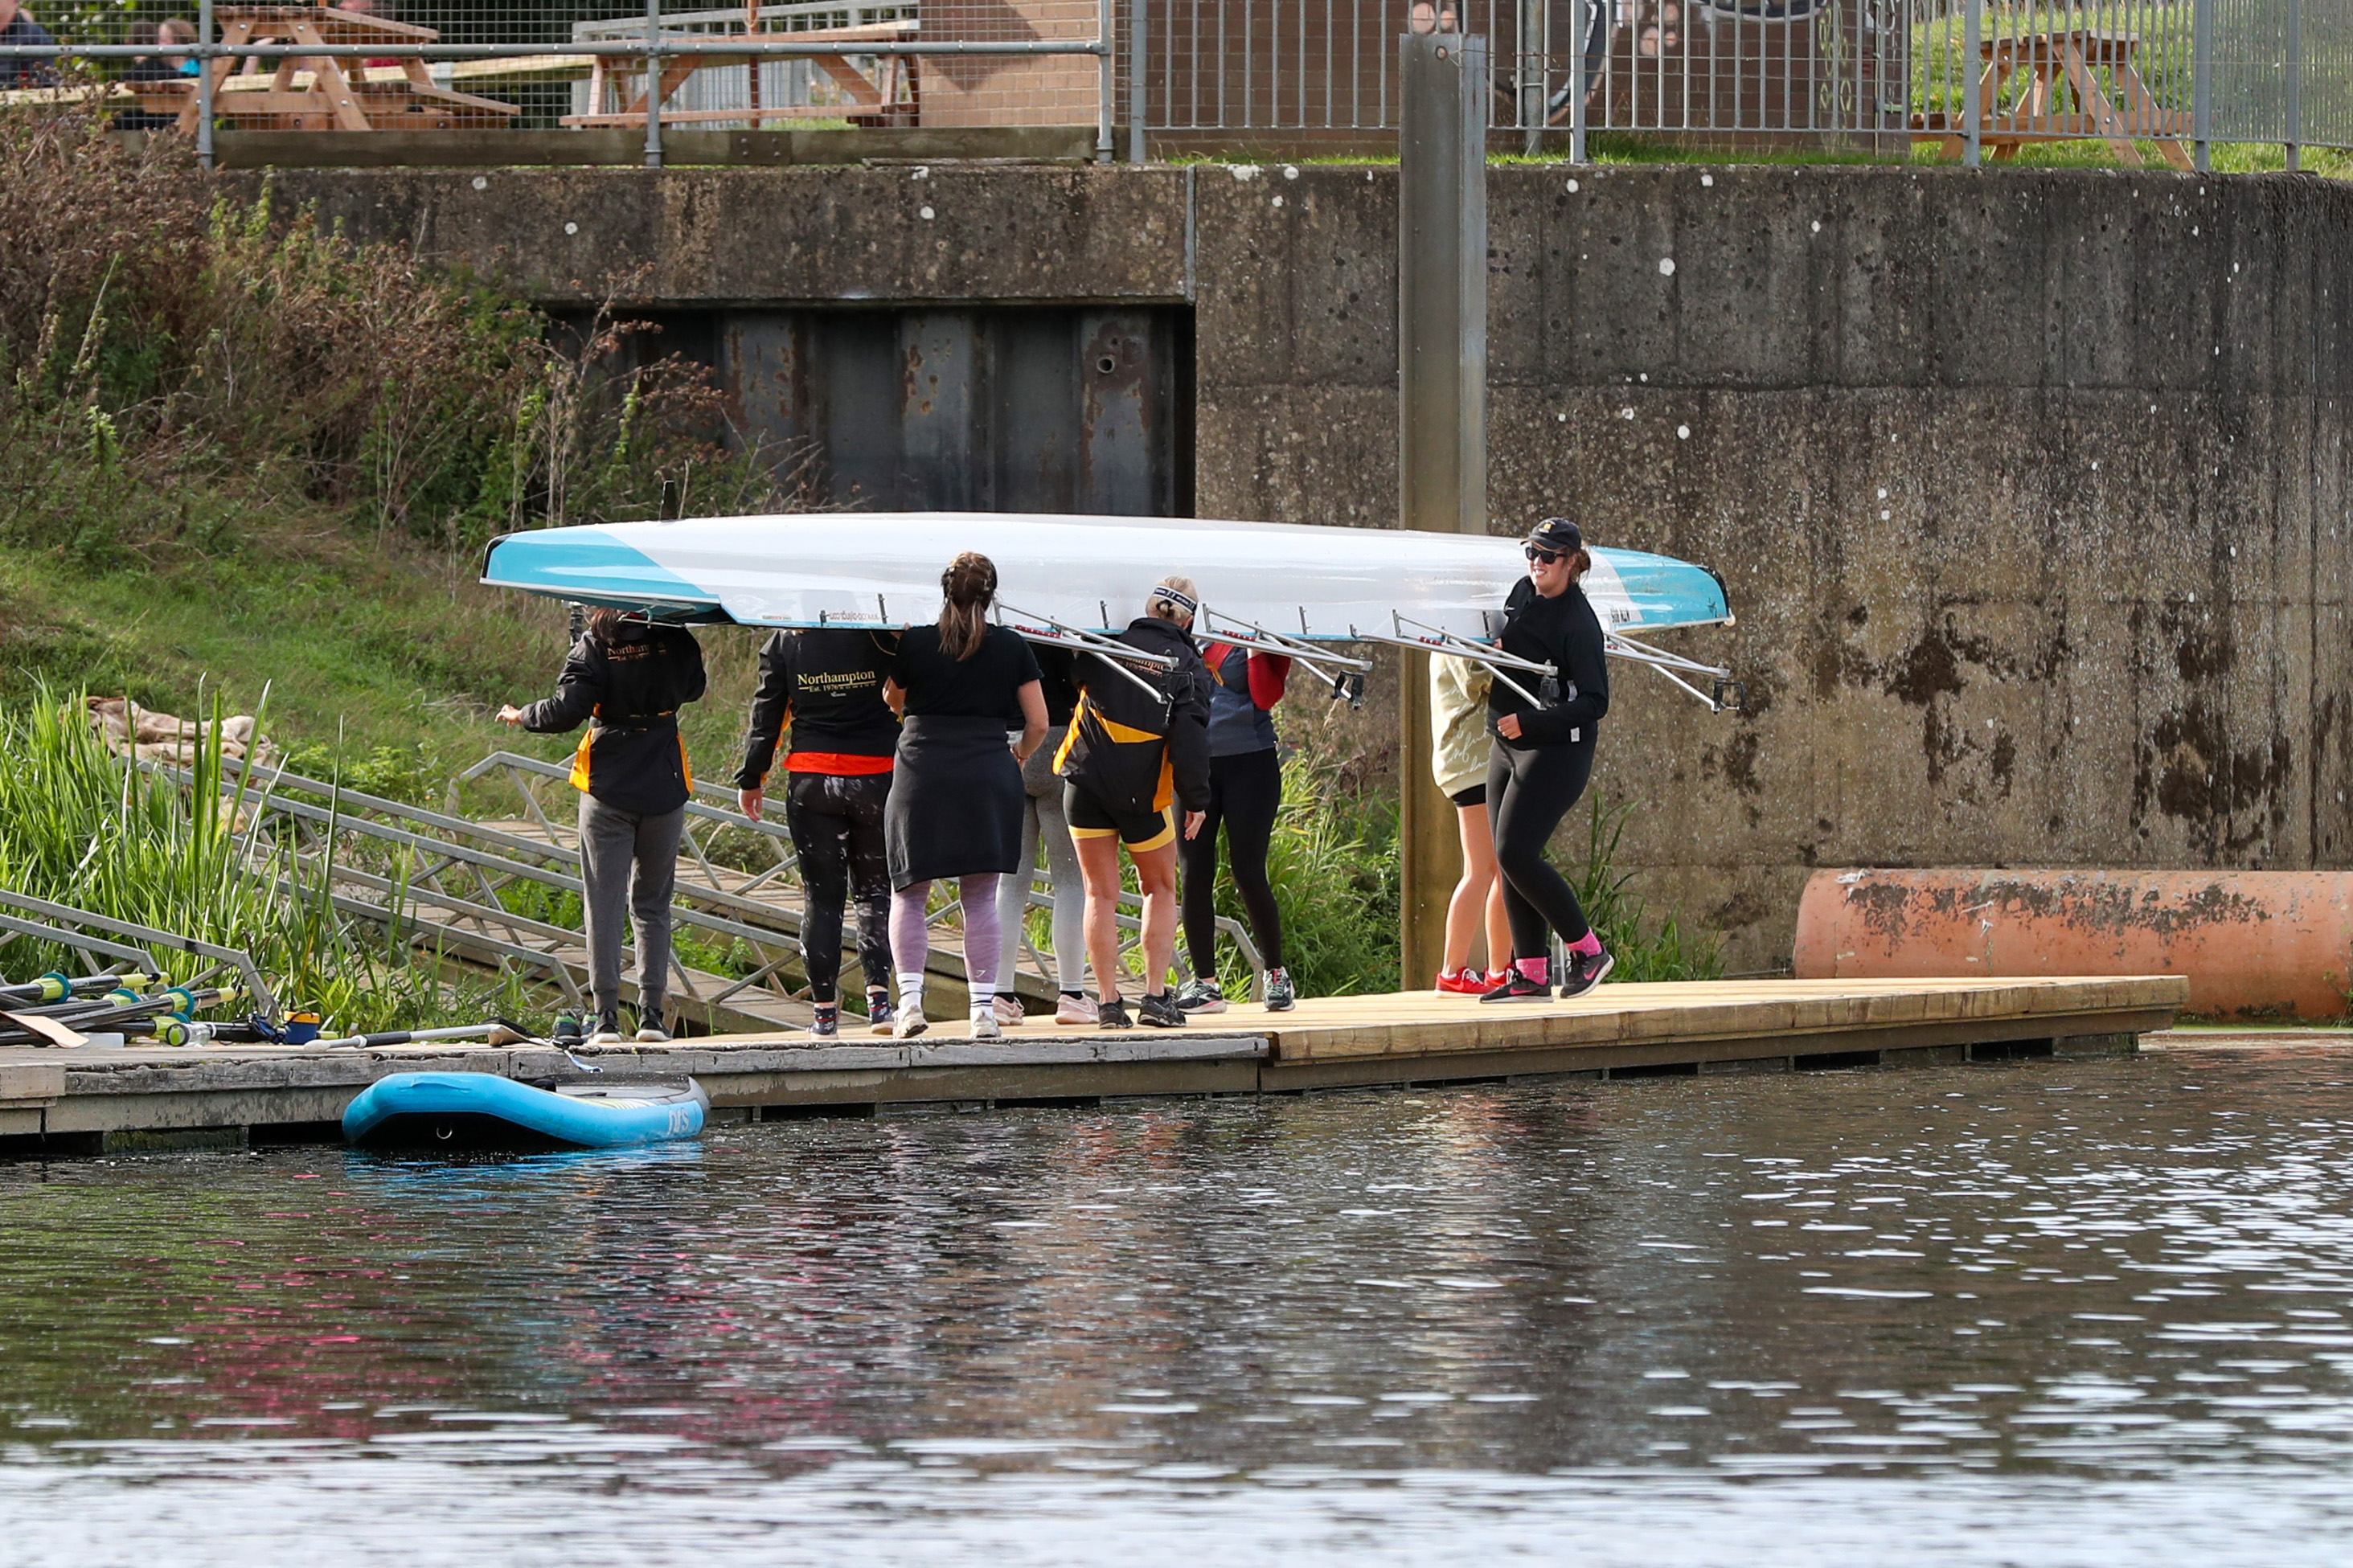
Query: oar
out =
(500, 1032)
(54, 987)
(119, 1007)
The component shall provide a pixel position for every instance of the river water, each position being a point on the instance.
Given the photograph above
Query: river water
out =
(2041, 1312)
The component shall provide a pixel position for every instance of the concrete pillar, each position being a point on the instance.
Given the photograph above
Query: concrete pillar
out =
(1442, 417)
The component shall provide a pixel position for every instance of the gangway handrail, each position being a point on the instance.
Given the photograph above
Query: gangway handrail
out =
(255, 987)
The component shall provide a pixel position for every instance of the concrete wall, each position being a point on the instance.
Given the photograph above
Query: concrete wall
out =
(2029, 487)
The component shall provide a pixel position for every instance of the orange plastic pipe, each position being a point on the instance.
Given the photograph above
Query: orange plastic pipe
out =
(2255, 944)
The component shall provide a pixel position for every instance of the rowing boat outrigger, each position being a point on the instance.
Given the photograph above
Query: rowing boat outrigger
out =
(1070, 581)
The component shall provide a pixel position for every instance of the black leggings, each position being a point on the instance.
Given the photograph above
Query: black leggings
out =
(1529, 790)
(837, 827)
(1244, 792)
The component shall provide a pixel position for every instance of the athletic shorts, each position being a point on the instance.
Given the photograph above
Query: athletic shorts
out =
(1465, 799)
(1091, 819)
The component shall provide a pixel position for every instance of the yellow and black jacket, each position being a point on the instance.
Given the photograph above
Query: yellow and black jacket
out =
(632, 758)
(1133, 752)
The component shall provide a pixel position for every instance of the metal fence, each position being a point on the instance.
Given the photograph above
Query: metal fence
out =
(1879, 75)
(1977, 78)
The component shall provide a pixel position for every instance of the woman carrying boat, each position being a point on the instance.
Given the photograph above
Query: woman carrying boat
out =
(1042, 823)
(1245, 792)
(1135, 752)
(955, 794)
(1458, 753)
(1542, 758)
(828, 686)
(627, 677)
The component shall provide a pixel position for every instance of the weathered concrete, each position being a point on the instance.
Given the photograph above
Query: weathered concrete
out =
(2029, 487)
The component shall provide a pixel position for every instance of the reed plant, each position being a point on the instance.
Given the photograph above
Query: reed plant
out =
(81, 826)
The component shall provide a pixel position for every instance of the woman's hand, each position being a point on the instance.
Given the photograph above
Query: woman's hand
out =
(1508, 726)
(510, 714)
(1193, 820)
(749, 801)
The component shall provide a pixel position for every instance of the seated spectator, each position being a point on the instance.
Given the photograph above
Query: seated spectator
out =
(168, 63)
(17, 27)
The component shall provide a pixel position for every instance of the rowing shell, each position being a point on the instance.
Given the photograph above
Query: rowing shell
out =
(1085, 577)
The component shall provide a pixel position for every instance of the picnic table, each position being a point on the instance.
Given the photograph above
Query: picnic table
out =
(322, 92)
(2073, 60)
(892, 96)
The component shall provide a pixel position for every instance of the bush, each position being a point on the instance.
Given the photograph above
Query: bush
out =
(171, 363)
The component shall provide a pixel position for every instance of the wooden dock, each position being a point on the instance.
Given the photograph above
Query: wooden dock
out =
(90, 1100)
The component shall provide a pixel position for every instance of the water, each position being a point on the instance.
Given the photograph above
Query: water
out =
(2040, 1313)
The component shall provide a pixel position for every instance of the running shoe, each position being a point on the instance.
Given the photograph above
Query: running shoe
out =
(984, 1025)
(1160, 1012)
(1463, 981)
(1070, 1009)
(606, 1033)
(827, 1025)
(1010, 1013)
(1518, 987)
(1586, 971)
(1113, 1015)
(908, 1025)
(880, 1014)
(1201, 997)
(1282, 997)
(651, 1034)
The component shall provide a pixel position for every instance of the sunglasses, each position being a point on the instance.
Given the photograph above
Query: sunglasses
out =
(1546, 556)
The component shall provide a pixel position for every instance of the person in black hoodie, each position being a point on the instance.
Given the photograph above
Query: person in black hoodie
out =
(627, 676)
(1131, 755)
(1542, 757)
(827, 685)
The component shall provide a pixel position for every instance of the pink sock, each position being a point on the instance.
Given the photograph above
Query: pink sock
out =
(1589, 944)
(1536, 969)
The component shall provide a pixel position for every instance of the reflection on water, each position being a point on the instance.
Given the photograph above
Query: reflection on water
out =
(2046, 1312)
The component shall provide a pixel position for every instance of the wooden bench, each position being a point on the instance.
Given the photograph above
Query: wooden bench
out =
(322, 92)
(892, 98)
(2049, 61)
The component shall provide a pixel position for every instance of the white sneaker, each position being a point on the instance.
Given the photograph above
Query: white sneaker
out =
(1009, 1012)
(1076, 1010)
(909, 1024)
(983, 1024)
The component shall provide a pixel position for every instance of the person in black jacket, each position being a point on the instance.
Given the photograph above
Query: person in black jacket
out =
(627, 678)
(1542, 759)
(829, 686)
(1132, 755)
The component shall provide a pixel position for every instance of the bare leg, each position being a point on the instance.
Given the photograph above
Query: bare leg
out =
(1099, 868)
(1471, 893)
(1499, 929)
(1155, 870)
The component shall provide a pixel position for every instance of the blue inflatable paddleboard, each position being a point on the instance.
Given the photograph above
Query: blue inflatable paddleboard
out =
(483, 1110)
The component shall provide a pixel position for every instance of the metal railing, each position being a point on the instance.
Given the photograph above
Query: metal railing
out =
(443, 66)
(528, 774)
(1976, 78)
(1875, 74)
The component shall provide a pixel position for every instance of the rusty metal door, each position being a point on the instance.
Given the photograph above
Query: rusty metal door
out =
(992, 409)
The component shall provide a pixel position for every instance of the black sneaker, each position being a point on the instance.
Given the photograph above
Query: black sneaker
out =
(1518, 987)
(827, 1025)
(881, 1018)
(1201, 997)
(1113, 1015)
(1161, 1012)
(1586, 971)
(1282, 997)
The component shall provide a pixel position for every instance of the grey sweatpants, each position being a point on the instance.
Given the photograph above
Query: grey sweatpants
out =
(629, 865)
(1042, 819)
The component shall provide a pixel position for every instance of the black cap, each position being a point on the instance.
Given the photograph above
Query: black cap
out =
(1557, 533)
